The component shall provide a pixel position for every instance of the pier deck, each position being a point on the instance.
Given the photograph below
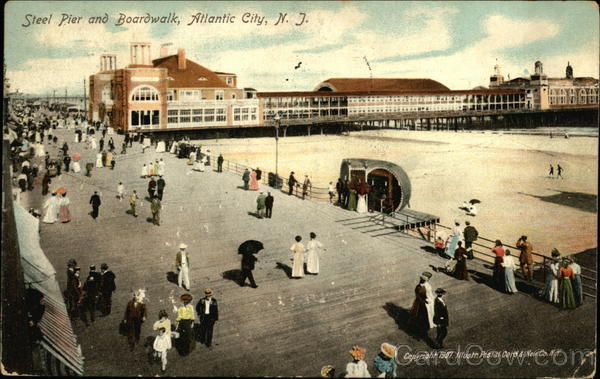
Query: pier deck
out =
(285, 327)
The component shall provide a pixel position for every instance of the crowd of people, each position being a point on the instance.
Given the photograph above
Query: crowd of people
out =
(84, 298)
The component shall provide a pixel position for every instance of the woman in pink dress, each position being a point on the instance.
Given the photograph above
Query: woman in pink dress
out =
(253, 181)
(65, 214)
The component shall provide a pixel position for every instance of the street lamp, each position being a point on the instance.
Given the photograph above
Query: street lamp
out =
(277, 124)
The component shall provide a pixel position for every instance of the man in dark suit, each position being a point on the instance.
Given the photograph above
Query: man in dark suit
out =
(107, 287)
(258, 174)
(160, 187)
(151, 188)
(91, 289)
(291, 183)
(269, 205)
(248, 261)
(95, 201)
(440, 318)
(208, 313)
(339, 187)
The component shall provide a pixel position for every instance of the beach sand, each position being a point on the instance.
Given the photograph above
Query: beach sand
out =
(508, 173)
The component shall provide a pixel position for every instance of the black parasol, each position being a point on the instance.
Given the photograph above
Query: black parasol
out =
(474, 201)
(250, 247)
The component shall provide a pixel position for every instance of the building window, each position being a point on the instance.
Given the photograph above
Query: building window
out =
(233, 95)
(172, 120)
(172, 112)
(202, 78)
(229, 80)
(170, 95)
(190, 95)
(219, 95)
(106, 93)
(145, 118)
(145, 93)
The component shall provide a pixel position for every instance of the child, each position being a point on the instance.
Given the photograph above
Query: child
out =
(162, 343)
(120, 190)
(331, 192)
(440, 246)
(112, 164)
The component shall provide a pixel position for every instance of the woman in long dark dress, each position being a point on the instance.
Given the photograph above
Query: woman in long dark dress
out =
(460, 271)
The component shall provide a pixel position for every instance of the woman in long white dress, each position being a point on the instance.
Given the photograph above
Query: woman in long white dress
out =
(551, 288)
(298, 258)
(76, 166)
(361, 206)
(430, 300)
(39, 150)
(313, 250)
(509, 265)
(93, 142)
(52, 207)
(144, 171)
(99, 162)
(160, 147)
(198, 166)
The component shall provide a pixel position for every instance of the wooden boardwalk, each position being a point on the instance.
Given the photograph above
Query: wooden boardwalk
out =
(285, 327)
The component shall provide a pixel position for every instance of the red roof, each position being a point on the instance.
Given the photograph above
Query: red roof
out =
(381, 84)
(188, 78)
(496, 91)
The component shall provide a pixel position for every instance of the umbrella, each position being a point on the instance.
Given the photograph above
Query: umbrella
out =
(76, 156)
(250, 247)
(474, 201)
(61, 190)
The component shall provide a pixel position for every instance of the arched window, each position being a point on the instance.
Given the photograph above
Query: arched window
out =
(144, 93)
(582, 97)
(106, 93)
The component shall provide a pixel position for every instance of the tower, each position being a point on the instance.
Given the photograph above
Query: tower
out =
(569, 71)
(108, 62)
(496, 79)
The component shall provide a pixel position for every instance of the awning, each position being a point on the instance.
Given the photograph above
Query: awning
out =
(58, 337)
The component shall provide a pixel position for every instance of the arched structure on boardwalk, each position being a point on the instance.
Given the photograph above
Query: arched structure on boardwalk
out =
(389, 185)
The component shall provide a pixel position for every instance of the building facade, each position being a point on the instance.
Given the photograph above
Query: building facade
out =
(551, 93)
(175, 93)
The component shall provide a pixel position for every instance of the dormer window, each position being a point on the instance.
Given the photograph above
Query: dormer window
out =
(202, 78)
(229, 80)
(170, 78)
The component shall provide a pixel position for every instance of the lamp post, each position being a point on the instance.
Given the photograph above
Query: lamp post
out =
(277, 124)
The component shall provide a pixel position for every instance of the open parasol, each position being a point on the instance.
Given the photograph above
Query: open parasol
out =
(61, 190)
(474, 201)
(76, 156)
(250, 247)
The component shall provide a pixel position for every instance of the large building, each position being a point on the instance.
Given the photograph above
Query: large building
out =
(175, 93)
(552, 93)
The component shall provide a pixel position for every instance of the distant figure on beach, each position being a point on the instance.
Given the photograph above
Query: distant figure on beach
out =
(306, 186)
(551, 173)
(559, 171)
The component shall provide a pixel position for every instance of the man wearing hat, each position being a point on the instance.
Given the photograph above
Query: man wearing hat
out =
(182, 263)
(74, 293)
(107, 287)
(261, 205)
(440, 318)
(71, 264)
(91, 289)
(185, 322)
(526, 257)
(208, 313)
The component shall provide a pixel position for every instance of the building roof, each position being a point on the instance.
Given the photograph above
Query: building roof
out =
(495, 91)
(188, 78)
(224, 73)
(380, 84)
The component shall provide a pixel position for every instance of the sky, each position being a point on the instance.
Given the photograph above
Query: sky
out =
(456, 43)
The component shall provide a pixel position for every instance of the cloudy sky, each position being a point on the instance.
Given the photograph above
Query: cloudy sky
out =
(456, 43)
